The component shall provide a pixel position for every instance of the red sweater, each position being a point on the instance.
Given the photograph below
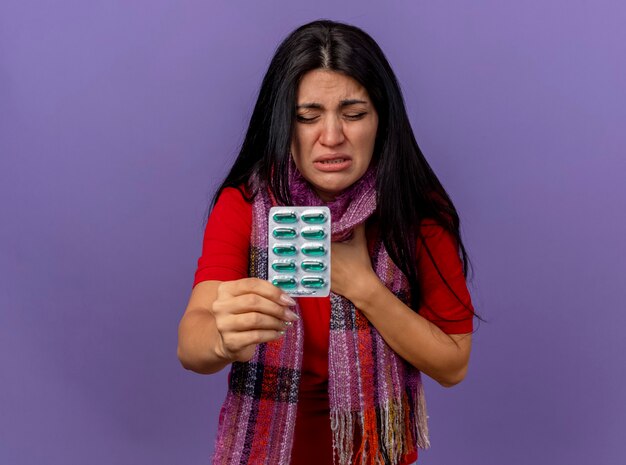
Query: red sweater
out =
(225, 257)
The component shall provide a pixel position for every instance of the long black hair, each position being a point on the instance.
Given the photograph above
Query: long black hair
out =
(408, 190)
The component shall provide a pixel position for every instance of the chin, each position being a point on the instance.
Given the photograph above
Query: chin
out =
(332, 189)
(331, 184)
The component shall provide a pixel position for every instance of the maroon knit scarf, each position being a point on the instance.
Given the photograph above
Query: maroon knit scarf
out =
(370, 387)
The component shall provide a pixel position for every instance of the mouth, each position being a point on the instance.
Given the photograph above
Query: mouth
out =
(332, 163)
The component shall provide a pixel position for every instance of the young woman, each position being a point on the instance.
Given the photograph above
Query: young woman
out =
(313, 378)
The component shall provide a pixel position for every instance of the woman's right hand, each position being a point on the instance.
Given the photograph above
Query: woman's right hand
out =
(248, 312)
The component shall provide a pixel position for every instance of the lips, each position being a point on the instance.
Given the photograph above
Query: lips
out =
(332, 162)
(329, 157)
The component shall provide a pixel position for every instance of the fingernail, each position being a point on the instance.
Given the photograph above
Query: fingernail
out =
(291, 315)
(288, 300)
(281, 333)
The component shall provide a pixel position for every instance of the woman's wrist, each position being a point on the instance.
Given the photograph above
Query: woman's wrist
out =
(198, 348)
(366, 291)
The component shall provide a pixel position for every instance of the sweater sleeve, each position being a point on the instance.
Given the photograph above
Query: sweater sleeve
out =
(226, 239)
(453, 314)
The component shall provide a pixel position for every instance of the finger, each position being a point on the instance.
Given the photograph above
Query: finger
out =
(235, 342)
(253, 303)
(257, 286)
(250, 321)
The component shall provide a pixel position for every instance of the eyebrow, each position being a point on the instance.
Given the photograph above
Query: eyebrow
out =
(342, 104)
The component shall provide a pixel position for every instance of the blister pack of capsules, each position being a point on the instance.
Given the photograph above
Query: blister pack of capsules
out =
(299, 250)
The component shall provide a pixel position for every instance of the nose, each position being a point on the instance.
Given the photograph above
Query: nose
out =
(332, 132)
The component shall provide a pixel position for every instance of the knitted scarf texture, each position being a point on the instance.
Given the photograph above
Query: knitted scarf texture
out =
(370, 387)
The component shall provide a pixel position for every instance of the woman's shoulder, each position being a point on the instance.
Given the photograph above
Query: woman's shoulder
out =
(430, 226)
(232, 205)
(226, 238)
(436, 238)
(239, 194)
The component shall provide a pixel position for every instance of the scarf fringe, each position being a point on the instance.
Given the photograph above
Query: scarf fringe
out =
(371, 389)
(395, 439)
(342, 426)
(369, 452)
(422, 434)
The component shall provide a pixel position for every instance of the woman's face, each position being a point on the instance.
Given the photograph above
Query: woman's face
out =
(335, 131)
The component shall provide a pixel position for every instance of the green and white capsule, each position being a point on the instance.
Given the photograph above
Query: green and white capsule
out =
(284, 266)
(313, 217)
(299, 249)
(313, 265)
(284, 233)
(285, 282)
(313, 250)
(284, 250)
(315, 282)
(286, 216)
(312, 233)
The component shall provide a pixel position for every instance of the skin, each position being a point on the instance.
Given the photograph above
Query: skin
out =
(443, 357)
(224, 321)
(334, 115)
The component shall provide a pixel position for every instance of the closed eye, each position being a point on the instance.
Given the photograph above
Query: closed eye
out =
(306, 119)
(355, 116)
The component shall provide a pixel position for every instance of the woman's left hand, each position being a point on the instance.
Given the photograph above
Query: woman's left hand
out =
(351, 267)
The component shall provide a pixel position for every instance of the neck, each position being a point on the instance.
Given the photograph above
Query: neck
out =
(325, 196)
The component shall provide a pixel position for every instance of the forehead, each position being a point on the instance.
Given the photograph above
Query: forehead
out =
(324, 86)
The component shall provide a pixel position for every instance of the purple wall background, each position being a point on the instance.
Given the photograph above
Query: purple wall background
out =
(117, 120)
